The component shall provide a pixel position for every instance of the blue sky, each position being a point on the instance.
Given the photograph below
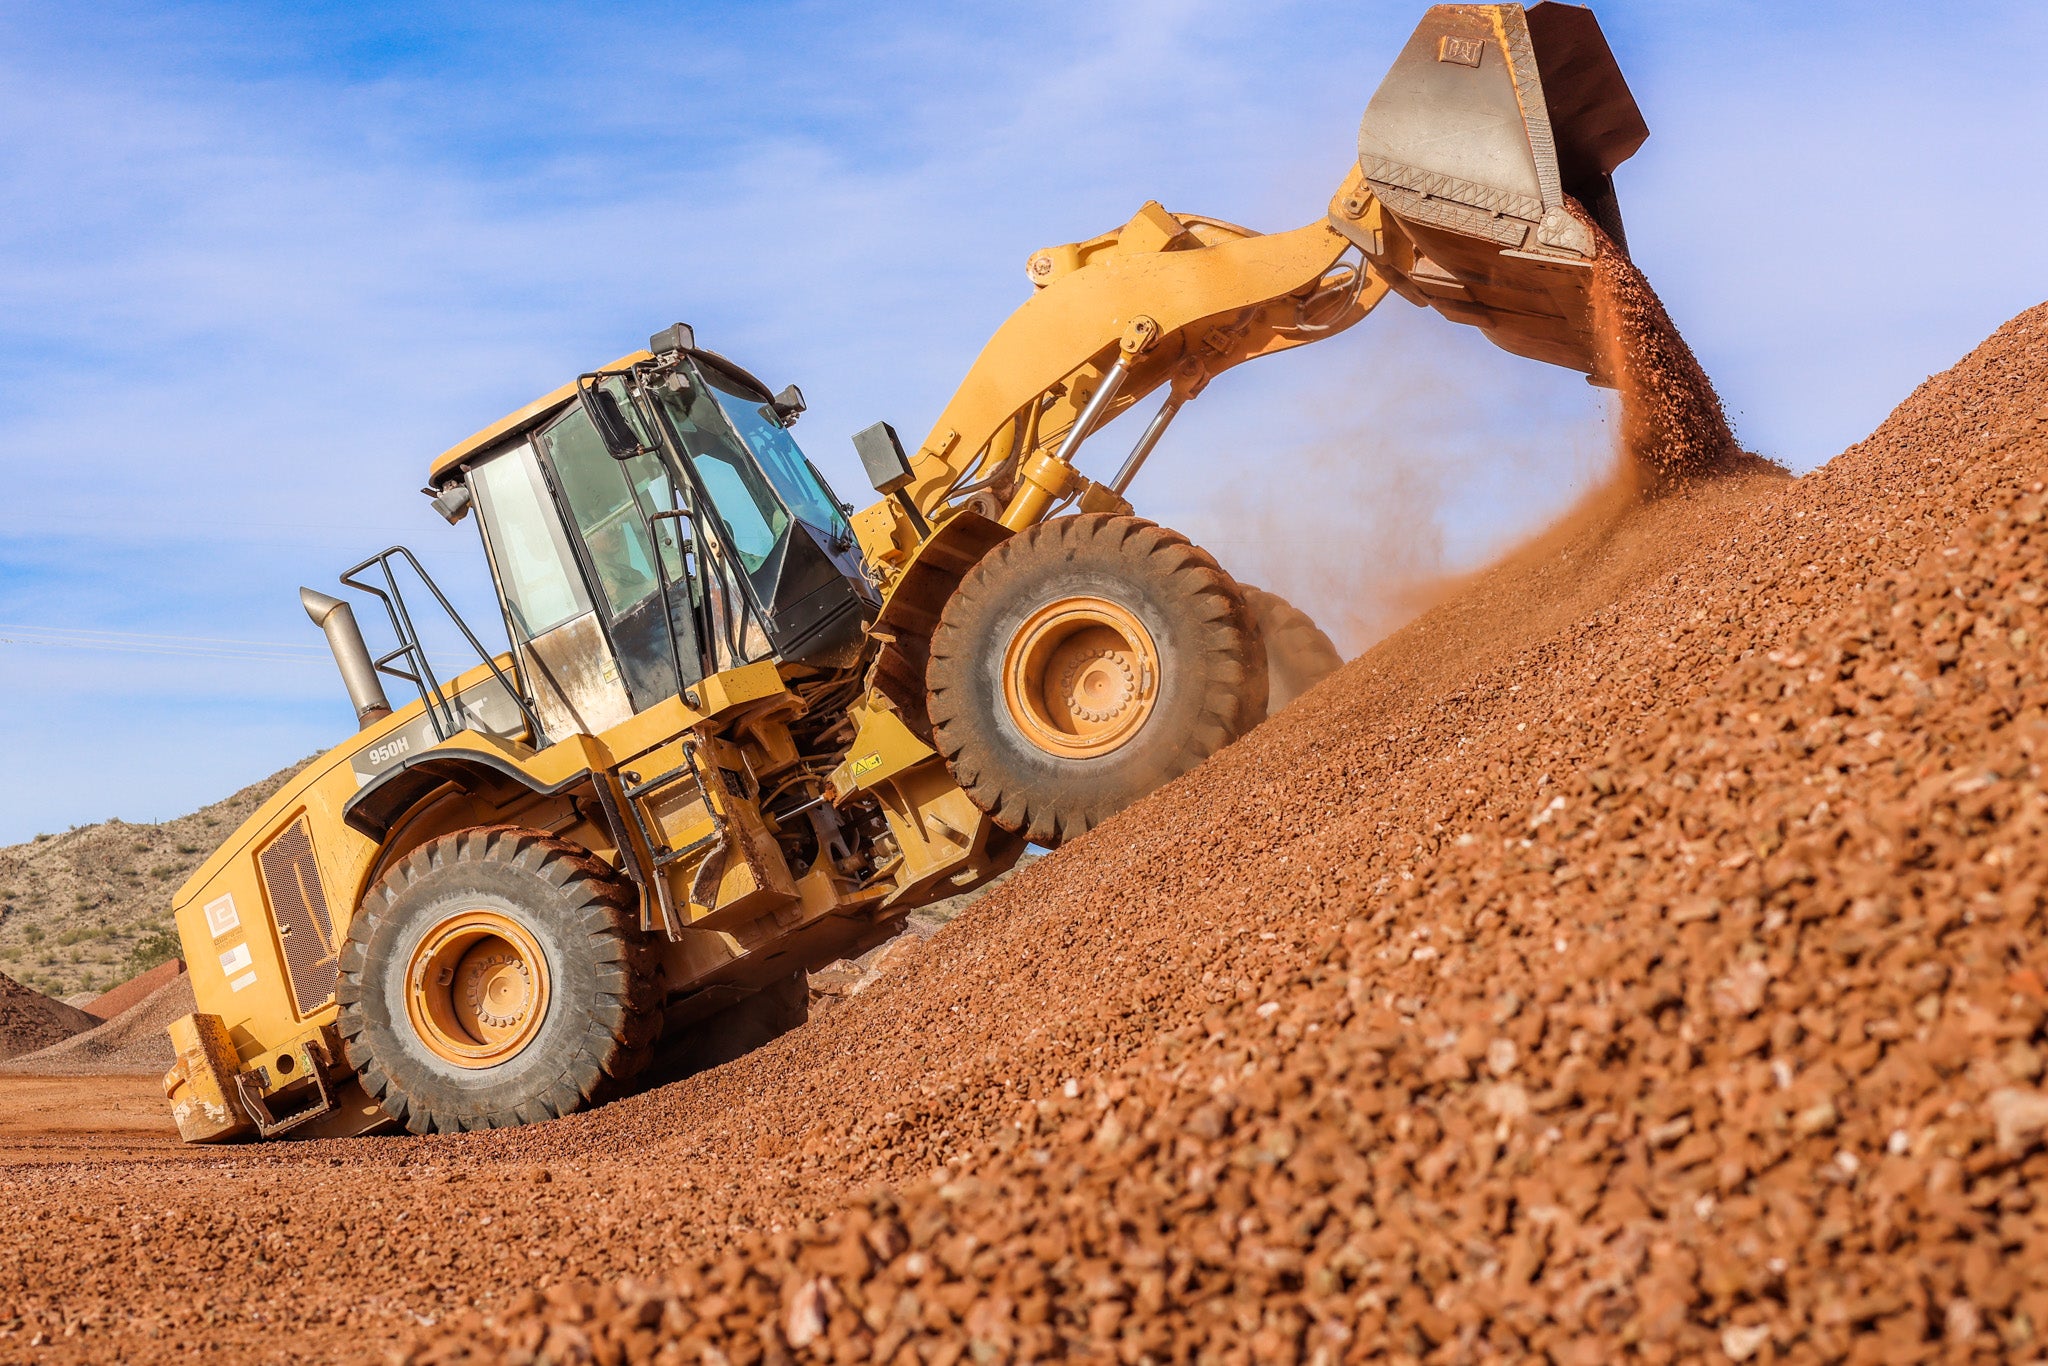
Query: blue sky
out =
(260, 263)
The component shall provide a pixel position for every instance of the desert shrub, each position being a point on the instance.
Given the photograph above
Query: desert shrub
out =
(160, 945)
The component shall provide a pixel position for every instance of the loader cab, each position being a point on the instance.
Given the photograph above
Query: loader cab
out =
(629, 571)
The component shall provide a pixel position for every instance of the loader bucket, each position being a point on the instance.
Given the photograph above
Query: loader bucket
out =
(1492, 120)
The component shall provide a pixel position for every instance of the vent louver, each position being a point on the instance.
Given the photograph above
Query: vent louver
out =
(292, 882)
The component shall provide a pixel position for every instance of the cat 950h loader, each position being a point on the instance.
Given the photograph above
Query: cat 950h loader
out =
(737, 732)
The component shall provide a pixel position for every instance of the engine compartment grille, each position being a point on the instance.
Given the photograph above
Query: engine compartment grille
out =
(291, 880)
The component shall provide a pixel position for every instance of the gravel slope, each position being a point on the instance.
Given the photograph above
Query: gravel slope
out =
(133, 1041)
(1638, 952)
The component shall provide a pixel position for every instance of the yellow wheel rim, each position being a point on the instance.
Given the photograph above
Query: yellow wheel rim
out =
(477, 988)
(1080, 676)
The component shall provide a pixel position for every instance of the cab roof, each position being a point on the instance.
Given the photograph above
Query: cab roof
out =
(515, 422)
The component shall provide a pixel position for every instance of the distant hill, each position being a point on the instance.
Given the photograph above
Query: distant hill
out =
(84, 910)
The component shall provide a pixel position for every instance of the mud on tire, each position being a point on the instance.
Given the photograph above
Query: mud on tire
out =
(598, 1016)
(1209, 689)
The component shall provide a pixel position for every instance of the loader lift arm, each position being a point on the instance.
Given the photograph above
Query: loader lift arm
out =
(1165, 301)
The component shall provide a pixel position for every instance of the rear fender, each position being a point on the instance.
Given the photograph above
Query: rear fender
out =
(382, 805)
(447, 790)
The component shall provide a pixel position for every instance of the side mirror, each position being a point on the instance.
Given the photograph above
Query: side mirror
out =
(453, 502)
(787, 405)
(888, 469)
(601, 406)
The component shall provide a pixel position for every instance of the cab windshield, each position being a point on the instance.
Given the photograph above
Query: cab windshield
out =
(781, 460)
(752, 516)
(759, 483)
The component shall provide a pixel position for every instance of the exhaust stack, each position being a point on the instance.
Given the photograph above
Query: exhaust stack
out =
(351, 655)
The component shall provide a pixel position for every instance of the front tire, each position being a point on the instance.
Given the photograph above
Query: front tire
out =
(1085, 662)
(496, 976)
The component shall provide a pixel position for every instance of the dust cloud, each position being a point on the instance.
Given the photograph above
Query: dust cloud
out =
(1443, 457)
(1419, 459)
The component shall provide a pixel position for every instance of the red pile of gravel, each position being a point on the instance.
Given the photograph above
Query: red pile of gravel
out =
(1640, 951)
(112, 1002)
(133, 1041)
(1676, 986)
(30, 1020)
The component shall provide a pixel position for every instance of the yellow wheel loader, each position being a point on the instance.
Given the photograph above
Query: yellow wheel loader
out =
(739, 731)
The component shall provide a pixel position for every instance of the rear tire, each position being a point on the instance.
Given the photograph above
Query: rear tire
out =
(1085, 662)
(1298, 654)
(496, 976)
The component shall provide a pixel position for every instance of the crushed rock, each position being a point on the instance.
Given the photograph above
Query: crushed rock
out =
(30, 1020)
(132, 1041)
(1226, 1079)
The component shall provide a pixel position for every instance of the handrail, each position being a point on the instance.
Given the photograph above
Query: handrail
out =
(440, 706)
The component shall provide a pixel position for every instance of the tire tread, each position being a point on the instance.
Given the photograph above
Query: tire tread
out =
(621, 1022)
(1163, 565)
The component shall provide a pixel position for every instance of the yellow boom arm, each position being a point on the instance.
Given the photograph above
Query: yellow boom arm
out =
(1476, 187)
(1164, 301)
